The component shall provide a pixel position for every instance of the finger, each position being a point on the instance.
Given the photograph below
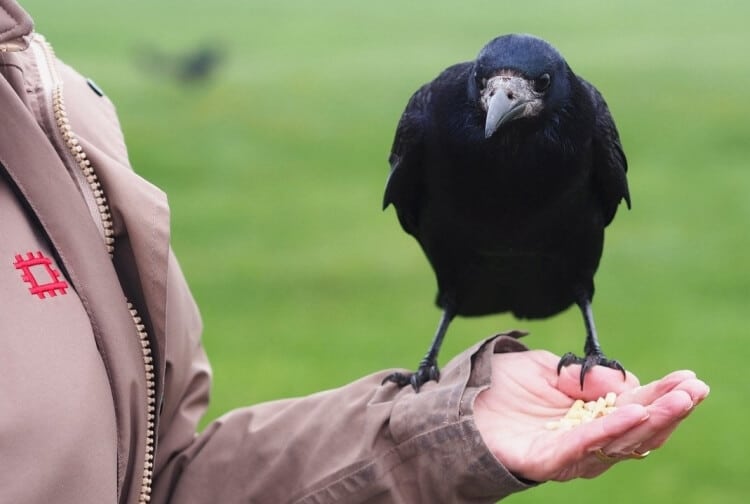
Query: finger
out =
(698, 391)
(619, 442)
(648, 393)
(571, 455)
(603, 431)
(599, 381)
(587, 438)
(664, 415)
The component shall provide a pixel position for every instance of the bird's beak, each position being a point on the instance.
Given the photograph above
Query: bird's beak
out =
(506, 98)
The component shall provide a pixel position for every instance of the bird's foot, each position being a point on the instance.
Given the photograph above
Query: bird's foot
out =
(427, 371)
(588, 362)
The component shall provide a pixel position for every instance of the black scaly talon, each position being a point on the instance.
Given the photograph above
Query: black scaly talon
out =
(400, 379)
(593, 355)
(428, 368)
(588, 362)
(427, 371)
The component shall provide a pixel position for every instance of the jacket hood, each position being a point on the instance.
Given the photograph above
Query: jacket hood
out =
(15, 26)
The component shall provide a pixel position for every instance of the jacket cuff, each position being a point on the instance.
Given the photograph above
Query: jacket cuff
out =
(439, 420)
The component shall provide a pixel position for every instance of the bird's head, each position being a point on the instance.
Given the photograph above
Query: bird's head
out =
(518, 76)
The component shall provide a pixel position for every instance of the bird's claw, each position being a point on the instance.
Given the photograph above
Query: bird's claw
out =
(588, 362)
(427, 371)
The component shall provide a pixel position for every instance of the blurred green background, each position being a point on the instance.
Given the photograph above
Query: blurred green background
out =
(275, 168)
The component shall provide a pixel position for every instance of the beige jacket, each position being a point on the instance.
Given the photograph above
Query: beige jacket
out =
(102, 374)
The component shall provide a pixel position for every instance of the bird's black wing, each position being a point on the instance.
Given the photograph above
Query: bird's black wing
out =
(610, 164)
(403, 188)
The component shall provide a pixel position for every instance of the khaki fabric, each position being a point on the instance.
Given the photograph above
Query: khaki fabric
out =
(76, 388)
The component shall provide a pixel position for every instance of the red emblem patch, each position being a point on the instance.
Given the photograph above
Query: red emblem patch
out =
(49, 282)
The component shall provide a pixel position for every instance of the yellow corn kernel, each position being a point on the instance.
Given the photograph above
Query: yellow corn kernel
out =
(583, 412)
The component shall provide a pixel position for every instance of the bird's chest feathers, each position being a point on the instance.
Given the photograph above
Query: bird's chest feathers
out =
(513, 178)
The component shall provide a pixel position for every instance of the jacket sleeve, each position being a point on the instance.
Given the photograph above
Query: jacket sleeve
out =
(359, 443)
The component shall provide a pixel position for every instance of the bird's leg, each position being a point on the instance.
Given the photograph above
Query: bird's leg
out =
(593, 354)
(428, 367)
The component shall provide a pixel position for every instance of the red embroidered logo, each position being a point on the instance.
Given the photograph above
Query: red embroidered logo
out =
(39, 265)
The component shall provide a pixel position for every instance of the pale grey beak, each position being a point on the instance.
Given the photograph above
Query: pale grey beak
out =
(506, 98)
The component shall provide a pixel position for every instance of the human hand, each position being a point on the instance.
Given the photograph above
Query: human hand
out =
(527, 393)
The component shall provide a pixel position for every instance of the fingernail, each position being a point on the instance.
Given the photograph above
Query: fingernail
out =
(644, 416)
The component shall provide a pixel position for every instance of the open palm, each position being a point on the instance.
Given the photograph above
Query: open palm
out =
(527, 393)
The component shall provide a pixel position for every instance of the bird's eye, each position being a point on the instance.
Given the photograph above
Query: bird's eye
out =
(541, 83)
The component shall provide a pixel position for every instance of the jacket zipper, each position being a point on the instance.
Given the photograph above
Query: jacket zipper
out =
(86, 173)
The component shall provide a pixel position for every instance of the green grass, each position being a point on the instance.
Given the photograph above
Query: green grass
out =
(275, 174)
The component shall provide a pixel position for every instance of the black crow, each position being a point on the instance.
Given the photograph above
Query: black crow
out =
(191, 67)
(506, 170)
